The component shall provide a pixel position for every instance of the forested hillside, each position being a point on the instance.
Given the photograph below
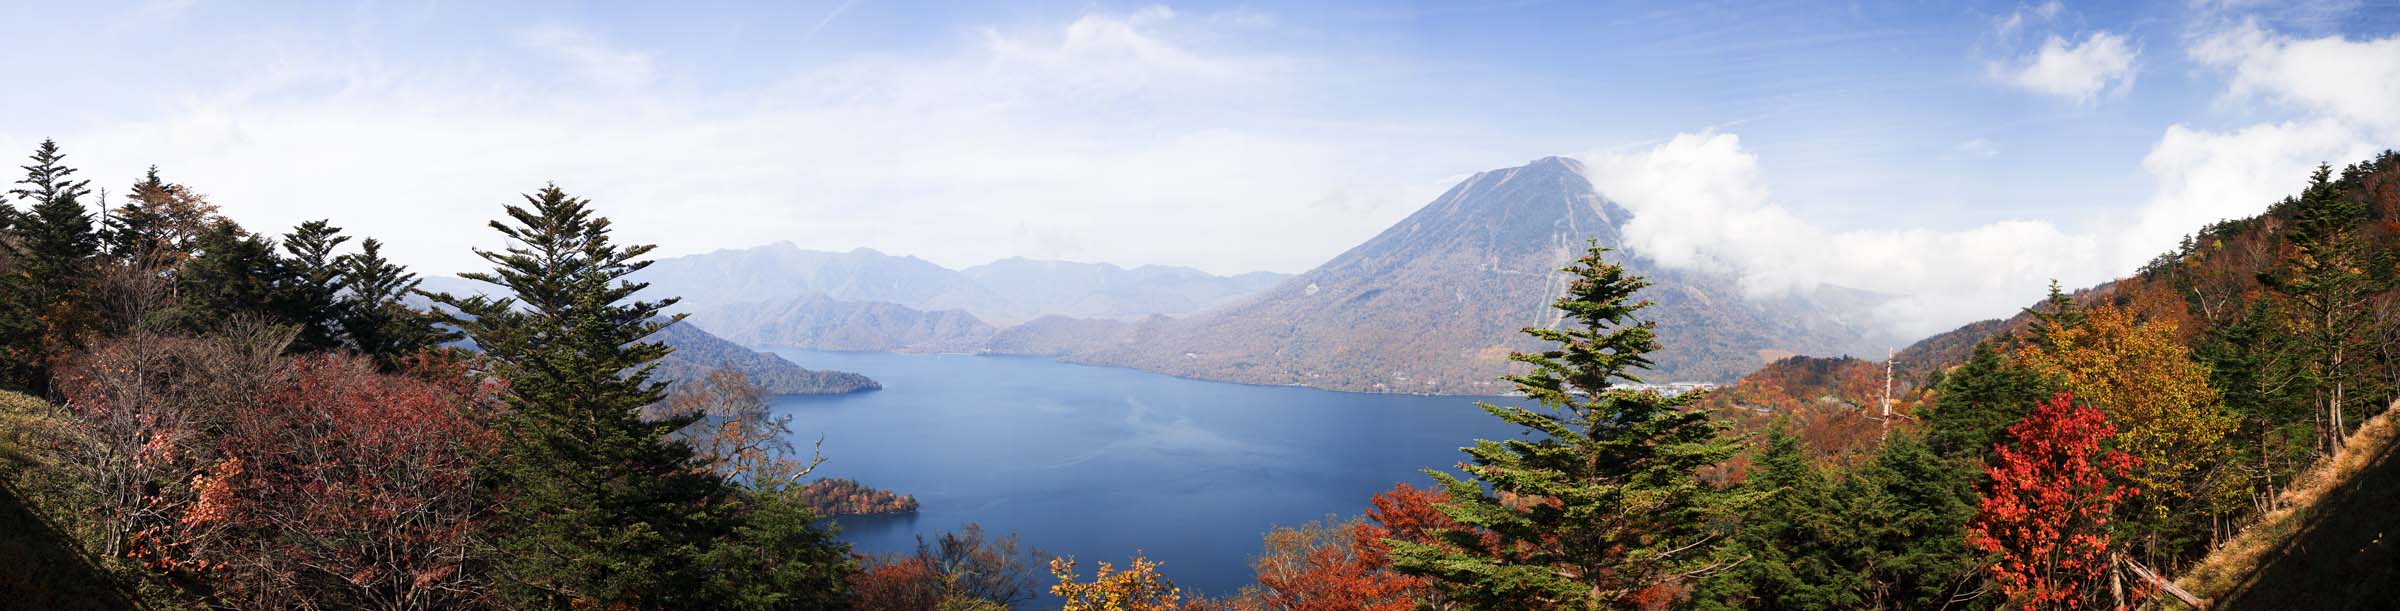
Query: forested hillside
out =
(2228, 367)
(216, 418)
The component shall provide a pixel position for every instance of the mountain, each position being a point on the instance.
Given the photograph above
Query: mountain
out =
(781, 272)
(1434, 304)
(1000, 292)
(697, 353)
(816, 322)
(1101, 290)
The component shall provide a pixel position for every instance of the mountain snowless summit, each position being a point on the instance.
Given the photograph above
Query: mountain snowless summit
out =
(1434, 304)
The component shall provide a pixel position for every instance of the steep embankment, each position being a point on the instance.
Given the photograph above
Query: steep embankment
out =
(40, 567)
(2332, 544)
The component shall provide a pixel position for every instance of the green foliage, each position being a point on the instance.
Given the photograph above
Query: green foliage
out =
(232, 275)
(1907, 509)
(376, 317)
(1791, 547)
(2324, 284)
(606, 510)
(313, 284)
(20, 328)
(1602, 506)
(1977, 401)
(58, 238)
(2253, 368)
(778, 558)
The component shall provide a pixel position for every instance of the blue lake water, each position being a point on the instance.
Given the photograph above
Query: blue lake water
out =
(1099, 462)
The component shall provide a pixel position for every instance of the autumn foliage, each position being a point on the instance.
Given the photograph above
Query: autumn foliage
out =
(2046, 512)
(841, 497)
(1137, 587)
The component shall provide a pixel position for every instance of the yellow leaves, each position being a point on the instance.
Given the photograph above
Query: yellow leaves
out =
(2142, 376)
(1137, 588)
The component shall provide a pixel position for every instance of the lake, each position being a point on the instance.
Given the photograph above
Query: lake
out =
(1100, 462)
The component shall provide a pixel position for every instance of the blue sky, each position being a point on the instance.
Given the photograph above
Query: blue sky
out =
(1961, 154)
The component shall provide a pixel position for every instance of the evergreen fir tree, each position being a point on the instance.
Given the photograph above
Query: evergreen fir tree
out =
(1602, 506)
(1907, 508)
(57, 236)
(2325, 284)
(2253, 368)
(20, 325)
(134, 232)
(231, 275)
(1977, 401)
(2056, 311)
(376, 316)
(1791, 546)
(606, 510)
(313, 288)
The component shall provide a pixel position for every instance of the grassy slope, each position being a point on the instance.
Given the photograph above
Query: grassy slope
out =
(2332, 545)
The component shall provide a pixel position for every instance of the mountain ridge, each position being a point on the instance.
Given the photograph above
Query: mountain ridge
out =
(1485, 256)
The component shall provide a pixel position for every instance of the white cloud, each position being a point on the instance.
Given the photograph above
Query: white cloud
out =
(2202, 177)
(1700, 201)
(590, 57)
(2357, 81)
(2341, 94)
(2102, 64)
(1108, 137)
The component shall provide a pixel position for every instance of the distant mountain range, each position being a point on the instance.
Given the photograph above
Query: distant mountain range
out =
(697, 353)
(1434, 304)
(783, 277)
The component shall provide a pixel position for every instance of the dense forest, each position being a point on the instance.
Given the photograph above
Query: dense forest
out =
(200, 416)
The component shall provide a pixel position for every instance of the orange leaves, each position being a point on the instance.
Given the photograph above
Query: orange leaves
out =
(2046, 511)
(1332, 567)
(841, 497)
(1139, 587)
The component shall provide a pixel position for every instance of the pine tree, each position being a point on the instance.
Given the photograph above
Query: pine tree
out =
(131, 232)
(57, 233)
(313, 287)
(376, 316)
(2253, 367)
(20, 325)
(1601, 506)
(2325, 284)
(1906, 509)
(1977, 400)
(1792, 545)
(231, 275)
(605, 510)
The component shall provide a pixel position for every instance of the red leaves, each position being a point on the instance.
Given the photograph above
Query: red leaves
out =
(1332, 567)
(1346, 566)
(2046, 510)
(313, 480)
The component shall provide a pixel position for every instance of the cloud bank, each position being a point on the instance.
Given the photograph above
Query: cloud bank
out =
(1700, 201)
